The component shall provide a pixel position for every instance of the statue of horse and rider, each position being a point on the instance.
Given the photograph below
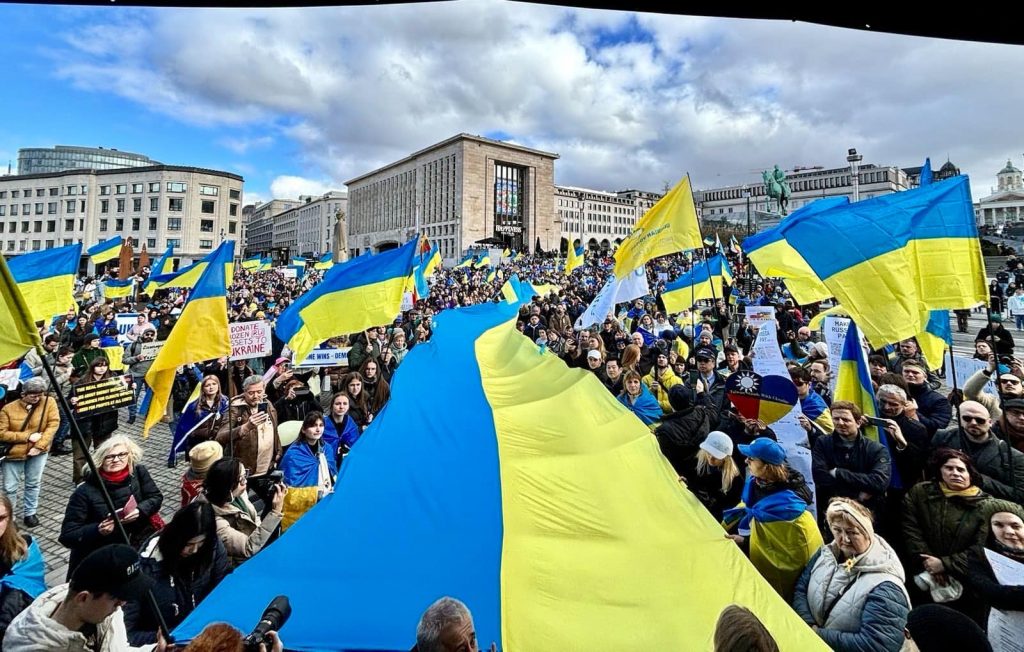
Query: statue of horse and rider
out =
(776, 187)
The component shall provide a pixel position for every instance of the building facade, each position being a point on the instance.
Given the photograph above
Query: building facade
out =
(191, 209)
(459, 191)
(307, 229)
(736, 205)
(44, 160)
(597, 218)
(1005, 205)
(259, 229)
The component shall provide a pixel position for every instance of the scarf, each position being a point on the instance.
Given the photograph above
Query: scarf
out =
(116, 477)
(968, 492)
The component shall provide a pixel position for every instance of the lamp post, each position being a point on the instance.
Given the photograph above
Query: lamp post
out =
(853, 158)
(746, 193)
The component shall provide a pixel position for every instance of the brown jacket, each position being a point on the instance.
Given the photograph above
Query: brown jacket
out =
(17, 423)
(239, 437)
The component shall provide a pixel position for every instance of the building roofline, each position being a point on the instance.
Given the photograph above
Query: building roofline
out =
(443, 143)
(129, 170)
(81, 148)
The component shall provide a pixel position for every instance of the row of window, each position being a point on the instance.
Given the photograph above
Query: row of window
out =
(173, 224)
(119, 189)
(600, 207)
(174, 204)
(37, 245)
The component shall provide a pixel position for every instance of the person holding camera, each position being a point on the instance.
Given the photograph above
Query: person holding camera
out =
(1009, 384)
(250, 431)
(239, 526)
(296, 402)
(662, 378)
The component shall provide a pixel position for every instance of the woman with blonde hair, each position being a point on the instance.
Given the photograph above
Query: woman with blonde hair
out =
(88, 524)
(21, 568)
(713, 475)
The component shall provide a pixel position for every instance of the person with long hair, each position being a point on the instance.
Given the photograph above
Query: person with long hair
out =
(630, 359)
(713, 476)
(21, 568)
(186, 561)
(239, 526)
(358, 404)
(96, 428)
(638, 399)
(377, 389)
(201, 418)
(88, 524)
(309, 470)
(340, 429)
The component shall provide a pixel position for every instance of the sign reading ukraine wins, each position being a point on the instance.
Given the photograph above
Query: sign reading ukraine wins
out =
(762, 398)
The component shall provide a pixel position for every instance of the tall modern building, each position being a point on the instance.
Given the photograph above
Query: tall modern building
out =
(43, 160)
(191, 209)
(307, 230)
(461, 191)
(259, 227)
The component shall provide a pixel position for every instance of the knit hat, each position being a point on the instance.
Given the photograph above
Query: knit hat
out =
(202, 456)
(844, 507)
(936, 628)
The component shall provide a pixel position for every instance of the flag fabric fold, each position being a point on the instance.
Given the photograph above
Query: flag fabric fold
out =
(670, 226)
(114, 289)
(326, 261)
(165, 265)
(105, 251)
(46, 280)
(189, 277)
(704, 281)
(17, 330)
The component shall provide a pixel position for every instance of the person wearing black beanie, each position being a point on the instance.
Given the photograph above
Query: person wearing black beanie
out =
(937, 628)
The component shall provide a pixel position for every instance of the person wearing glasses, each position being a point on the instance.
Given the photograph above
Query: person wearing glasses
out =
(1000, 466)
(88, 524)
(239, 526)
(1008, 381)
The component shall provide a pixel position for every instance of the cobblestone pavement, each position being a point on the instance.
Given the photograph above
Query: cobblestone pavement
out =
(57, 485)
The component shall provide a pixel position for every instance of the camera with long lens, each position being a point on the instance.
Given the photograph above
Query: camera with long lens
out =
(273, 619)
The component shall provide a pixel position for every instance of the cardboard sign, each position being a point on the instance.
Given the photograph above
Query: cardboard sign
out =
(759, 315)
(326, 358)
(249, 339)
(149, 350)
(103, 395)
(834, 331)
(767, 398)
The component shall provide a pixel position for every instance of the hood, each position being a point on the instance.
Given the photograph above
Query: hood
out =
(34, 630)
(880, 558)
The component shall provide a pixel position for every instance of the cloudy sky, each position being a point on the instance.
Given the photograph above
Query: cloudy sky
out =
(299, 100)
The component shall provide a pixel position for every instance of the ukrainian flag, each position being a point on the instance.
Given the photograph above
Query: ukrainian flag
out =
(188, 277)
(506, 253)
(483, 262)
(114, 289)
(17, 332)
(266, 264)
(201, 333)
(491, 275)
(433, 261)
(106, 250)
(298, 262)
(519, 256)
(363, 292)
(326, 261)
(935, 338)
(465, 262)
(890, 259)
(251, 263)
(574, 258)
(163, 266)
(546, 506)
(46, 280)
(669, 227)
(853, 379)
(704, 281)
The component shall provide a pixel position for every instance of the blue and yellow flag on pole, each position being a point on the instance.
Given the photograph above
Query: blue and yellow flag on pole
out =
(568, 527)
(326, 261)
(669, 227)
(251, 263)
(188, 277)
(201, 333)
(18, 333)
(573, 259)
(935, 338)
(704, 281)
(363, 292)
(163, 266)
(298, 262)
(853, 379)
(106, 250)
(888, 260)
(47, 280)
(433, 260)
(484, 261)
(115, 289)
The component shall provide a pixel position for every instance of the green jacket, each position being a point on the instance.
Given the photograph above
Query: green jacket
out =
(943, 527)
(80, 361)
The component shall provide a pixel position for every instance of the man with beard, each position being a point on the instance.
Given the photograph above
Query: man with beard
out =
(1000, 465)
(1009, 385)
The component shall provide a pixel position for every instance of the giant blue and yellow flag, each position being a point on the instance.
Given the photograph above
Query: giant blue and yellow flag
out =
(703, 281)
(46, 280)
(669, 227)
(115, 289)
(890, 259)
(547, 507)
(354, 295)
(163, 266)
(106, 250)
(188, 277)
(17, 332)
(201, 333)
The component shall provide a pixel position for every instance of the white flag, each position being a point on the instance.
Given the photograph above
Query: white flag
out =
(613, 292)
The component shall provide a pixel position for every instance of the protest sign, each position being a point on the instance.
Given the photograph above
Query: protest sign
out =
(125, 321)
(103, 395)
(768, 398)
(759, 315)
(834, 331)
(964, 368)
(1005, 626)
(148, 350)
(326, 358)
(249, 339)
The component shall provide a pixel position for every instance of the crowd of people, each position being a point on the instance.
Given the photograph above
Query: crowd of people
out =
(885, 531)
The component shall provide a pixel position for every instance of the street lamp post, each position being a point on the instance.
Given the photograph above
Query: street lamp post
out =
(853, 158)
(746, 193)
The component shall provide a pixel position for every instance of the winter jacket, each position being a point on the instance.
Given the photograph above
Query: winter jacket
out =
(933, 409)
(81, 360)
(1000, 465)
(857, 609)
(33, 630)
(1003, 339)
(86, 509)
(910, 461)
(666, 379)
(680, 435)
(240, 438)
(707, 487)
(177, 592)
(18, 423)
(241, 530)
(361, 351)
(137, 365)
(20, 584)
(861, 465)
(943, 527)
(974, 390)
(981, 580)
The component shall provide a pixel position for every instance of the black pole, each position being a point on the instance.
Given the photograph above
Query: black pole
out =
(118, 525)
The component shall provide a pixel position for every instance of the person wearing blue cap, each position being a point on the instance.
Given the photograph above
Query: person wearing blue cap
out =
(772, 521)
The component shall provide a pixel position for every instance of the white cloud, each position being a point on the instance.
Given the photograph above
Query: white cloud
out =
(290, 187)
(627, 100)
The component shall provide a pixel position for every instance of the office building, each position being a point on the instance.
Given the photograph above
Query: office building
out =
(43, 160)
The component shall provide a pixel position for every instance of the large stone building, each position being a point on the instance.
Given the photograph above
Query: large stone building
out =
(307, 229)
(191, 209)
(598, 218)
(40, 160)
(460, 191)
(259, 228)
(1005, 205)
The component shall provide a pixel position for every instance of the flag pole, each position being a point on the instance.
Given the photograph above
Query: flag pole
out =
(707, 264)
(108, 501)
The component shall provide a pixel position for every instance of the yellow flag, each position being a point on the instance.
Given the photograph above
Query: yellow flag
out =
(669, 227)
(17, 333)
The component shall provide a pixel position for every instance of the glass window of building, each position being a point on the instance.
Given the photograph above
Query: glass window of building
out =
(232, 227)
(234, 194)
(154, 204)
(206, 244)
(51, 208)
(152, 224)
(54, 192)
(69, 225)
(71, 190)
(40, 192)
(209, 191)
(174, 224)
(137, 205)
(39, 208)
(3, 194)
(15, 194)
(3, 210)
(81, 206)
(69, 206)
(136, 187)
(121, 188)
(154, 186)
(176, 204)
(135, 223)
(208, 207)
(233, 210)
(176, 186)
(119, 224)
(173, 242)
(103, 225)
(206, 226)
(37, 226)
(120, 205)
(151, 243)
(104, 190)
(104, 205)
(36, 244)
(85, 189)
(51, 226)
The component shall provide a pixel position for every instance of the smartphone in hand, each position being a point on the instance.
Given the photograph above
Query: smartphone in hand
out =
(875, 421)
